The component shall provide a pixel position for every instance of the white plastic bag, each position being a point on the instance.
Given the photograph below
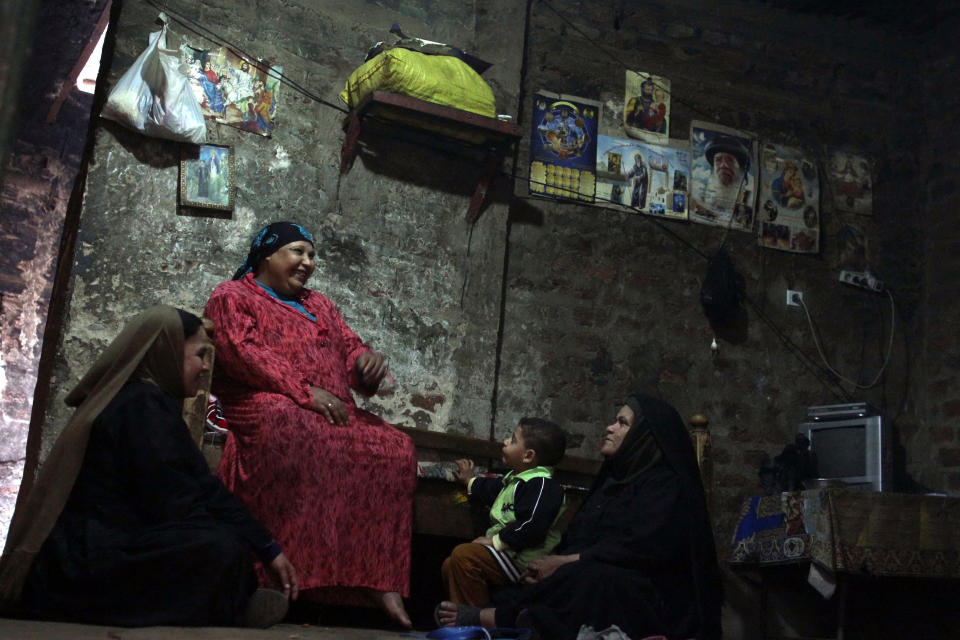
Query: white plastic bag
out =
(154, 97)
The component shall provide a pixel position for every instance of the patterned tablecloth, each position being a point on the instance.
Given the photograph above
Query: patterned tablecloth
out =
(850, 531)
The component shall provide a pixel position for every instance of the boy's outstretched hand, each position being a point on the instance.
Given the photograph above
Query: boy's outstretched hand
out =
(464, 470)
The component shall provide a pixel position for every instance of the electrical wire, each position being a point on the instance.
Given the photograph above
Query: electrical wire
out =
(809, 363)
(207, 34)
(886, 360)
(256, 61)
(623, 64)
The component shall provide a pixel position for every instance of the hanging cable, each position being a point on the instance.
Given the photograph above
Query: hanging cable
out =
(210, 35)
(886, 359)
(809, 363)
(207, 34)
(620, 62)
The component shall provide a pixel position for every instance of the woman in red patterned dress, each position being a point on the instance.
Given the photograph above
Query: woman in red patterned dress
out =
(333, 482)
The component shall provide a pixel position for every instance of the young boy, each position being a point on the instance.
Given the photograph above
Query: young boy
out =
(525, 505)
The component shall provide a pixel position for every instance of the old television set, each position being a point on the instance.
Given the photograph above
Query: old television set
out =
(847, 445)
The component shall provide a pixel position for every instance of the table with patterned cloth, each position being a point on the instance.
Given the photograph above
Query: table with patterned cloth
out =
(843, 530)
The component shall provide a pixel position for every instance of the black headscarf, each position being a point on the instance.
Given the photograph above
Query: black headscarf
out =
(269, 239)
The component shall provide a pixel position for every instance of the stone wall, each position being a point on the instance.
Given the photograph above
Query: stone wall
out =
(394, 251)
(38, 180)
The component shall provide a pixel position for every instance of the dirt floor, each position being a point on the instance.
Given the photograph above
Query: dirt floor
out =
(31, 630)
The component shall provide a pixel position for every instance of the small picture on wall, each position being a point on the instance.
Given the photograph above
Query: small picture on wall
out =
(646, 113)
(850, 176)
(206, 177)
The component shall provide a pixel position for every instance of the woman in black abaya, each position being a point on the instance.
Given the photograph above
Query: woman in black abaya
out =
(125, 524)
(638, 554)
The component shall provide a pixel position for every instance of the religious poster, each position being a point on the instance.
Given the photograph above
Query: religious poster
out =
(789, 200)
(206, 177)
(233, 90)
(852, 248)
(723, 180)
(646, 112)
(851, 181)
(643, 177)
(563, 146)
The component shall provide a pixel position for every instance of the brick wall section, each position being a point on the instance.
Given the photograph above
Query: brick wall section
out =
(938, 457)
(601, 303)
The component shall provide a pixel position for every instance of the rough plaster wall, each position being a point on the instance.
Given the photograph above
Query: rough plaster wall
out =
(601, 303)
(394, 251)
(38, 179)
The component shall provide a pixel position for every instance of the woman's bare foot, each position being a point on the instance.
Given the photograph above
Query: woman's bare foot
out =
(392, 604)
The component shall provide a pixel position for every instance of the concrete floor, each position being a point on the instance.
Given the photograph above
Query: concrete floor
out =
(32, 630)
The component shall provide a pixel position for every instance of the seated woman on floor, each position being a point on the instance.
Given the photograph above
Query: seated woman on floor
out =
(125, 524)
(639, 553)
(332, 481)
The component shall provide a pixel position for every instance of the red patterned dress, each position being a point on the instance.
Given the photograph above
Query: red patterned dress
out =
(337, 498)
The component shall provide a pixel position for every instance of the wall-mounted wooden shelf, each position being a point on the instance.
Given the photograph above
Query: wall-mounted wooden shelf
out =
(493, 137)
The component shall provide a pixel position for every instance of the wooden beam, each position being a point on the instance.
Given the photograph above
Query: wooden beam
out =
(71, 81)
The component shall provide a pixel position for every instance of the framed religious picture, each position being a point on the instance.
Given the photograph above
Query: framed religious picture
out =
(206, 177)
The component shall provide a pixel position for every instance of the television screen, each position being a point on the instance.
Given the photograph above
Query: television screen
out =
(848, 449)
(839, 452)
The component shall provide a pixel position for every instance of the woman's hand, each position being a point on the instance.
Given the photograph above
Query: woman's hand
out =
(285, 575)
(372, 367)
(544, 567)
(330, 406)
(464, 471)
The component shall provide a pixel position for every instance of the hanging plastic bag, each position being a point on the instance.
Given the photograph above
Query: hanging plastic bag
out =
(154, 97)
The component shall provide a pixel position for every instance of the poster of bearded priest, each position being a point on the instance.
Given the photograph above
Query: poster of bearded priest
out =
(723, 189)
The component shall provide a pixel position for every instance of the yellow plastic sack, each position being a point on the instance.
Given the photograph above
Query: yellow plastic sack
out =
(439, 79)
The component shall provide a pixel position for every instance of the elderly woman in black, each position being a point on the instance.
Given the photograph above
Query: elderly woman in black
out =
(125, 524)
(639, 554)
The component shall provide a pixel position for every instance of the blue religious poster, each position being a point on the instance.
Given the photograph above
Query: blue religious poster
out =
(642, 177)
(563, 146)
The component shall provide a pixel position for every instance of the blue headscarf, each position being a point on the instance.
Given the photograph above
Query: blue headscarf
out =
(269, 239)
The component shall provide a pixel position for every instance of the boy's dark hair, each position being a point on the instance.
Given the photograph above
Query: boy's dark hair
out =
(546, 438)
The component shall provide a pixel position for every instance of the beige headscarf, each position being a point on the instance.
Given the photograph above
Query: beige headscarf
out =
(150, 348)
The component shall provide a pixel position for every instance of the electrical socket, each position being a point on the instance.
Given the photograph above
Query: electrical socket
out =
(791, 297)
(862, 279)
